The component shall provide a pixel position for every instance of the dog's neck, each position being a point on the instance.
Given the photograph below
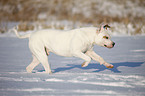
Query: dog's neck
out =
(90, 34)
(91, 38)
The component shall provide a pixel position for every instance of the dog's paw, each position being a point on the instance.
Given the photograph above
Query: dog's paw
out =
(84, 64)
(49, 72)
(29, 70)
(108, 65)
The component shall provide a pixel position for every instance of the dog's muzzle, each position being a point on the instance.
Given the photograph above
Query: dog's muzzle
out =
(109, 46)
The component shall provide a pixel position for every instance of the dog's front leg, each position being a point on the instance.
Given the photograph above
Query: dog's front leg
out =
(84, 57)
(98, 58)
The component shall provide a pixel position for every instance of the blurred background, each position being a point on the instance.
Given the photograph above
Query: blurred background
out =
(127, 17)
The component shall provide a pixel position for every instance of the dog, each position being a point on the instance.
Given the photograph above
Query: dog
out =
(77, 42)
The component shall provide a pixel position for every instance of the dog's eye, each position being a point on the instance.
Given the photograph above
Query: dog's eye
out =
(105, 37)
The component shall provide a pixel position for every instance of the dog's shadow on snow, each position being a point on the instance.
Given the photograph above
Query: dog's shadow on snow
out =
(99, 67)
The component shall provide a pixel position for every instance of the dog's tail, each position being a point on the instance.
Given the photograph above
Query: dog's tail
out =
(15, 29)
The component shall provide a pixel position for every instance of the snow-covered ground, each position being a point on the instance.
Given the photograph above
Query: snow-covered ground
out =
(127, 78)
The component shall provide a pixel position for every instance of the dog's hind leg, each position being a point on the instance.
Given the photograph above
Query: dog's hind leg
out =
(42, 57)
(38, 50)
(33, 64)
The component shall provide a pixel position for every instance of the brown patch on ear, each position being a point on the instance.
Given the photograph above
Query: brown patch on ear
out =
(106, 26)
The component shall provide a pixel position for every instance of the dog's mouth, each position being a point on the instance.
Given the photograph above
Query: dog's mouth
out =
(108, 46)
(105, 45)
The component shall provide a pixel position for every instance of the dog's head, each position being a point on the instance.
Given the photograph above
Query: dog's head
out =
(103, 38)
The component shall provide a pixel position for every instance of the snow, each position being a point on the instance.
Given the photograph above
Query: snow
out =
(127, 78)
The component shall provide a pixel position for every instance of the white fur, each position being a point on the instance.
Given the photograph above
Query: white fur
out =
(77, 42)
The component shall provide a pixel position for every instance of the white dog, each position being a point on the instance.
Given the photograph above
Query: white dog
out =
(77, 42)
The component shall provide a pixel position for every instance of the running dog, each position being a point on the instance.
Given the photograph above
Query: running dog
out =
(77, 42)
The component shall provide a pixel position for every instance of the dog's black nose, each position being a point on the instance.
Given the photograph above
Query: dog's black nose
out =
(113, 44)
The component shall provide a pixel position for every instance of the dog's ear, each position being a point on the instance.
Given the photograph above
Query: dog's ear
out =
(104, 26)
(98, 30)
